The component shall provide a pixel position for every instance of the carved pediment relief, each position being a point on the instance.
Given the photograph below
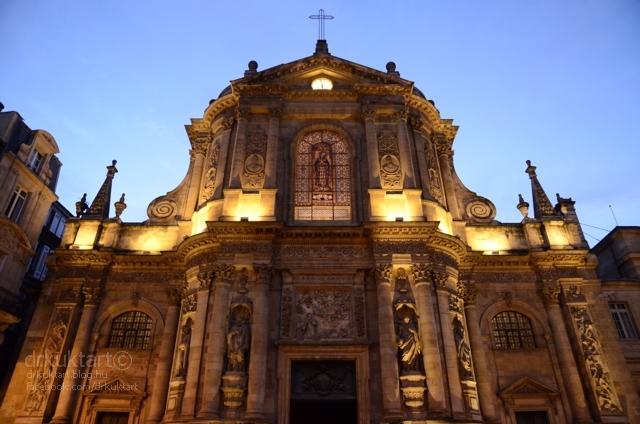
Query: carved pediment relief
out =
(528, 387)
(116, 387)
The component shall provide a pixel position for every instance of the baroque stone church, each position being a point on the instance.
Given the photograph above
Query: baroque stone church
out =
(321, 262)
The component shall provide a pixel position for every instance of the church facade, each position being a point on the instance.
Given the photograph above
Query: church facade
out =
(321, 261)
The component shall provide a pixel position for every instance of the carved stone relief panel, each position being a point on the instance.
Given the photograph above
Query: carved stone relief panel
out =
(286, 311)
(435, 187)
(389, 154)
(254, 160)
(323, 314)
(45, 365)
(596, 369)
(211, 169)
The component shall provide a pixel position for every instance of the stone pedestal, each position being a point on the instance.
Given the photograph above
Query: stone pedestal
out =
(234, 385)
(412, 387)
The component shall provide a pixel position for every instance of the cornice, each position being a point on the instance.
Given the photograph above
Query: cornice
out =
(215, 108)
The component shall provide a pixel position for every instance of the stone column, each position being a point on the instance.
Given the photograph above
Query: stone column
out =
(405, 149)
(372, 147)
(76, 363)
(437, 405)
(199, 151)
(391, 401)
(216, 345)
(272, 148)
(195, 347)
(567, 364)
(481, 367)
(259, 344)
(165, 358)
(443, 148)
(450, 352)
(240, 146)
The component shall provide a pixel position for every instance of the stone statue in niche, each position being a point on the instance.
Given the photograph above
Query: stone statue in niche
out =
(237, 346)
(183, 348)
(322, 168)
(408, 341)
(463, 350)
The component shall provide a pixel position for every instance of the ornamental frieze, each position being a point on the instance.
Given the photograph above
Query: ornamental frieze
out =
(207, 257)
(390, 247)
(505, 277)
(232, 247)
(322, 252)
(146, 277)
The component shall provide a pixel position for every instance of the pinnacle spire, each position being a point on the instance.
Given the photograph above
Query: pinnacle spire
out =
(99, 208)
(541, 205)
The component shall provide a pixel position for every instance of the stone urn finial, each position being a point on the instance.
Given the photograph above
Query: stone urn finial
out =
(523, 206)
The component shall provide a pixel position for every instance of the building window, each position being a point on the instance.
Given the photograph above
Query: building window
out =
(131, 330)
(55, 223)
(512, 330)
(34, 161)
(37, 266)
(322, 183)
(14, 208)
(622, 319)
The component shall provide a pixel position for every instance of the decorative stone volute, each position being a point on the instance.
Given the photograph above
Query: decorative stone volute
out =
(383, 273)
(92, 295)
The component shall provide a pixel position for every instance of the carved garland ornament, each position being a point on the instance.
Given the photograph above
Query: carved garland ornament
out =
(605, 395)
(358, 306)
(390, 167)
(434, 179)
(209, 185)
(254, 160)
(46, 363)
(286, 311)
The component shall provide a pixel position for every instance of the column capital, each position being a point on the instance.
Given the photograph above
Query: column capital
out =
(550, 296)
(421, 273)
(175, 296)
(368, 113)
(416, 122)
(242, 113)
(440, 279)
(263, 273)
(224, 273)
(383, 273)
(92, 295)
(227, 124)
(401, 115)
(205, 279)
(275, 112)
(468, 295)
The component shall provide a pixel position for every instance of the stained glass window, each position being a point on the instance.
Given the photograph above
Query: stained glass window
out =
(131, 330)
(512, 330)
(322, 185)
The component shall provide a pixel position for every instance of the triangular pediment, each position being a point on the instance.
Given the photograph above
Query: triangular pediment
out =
(300, 73)
(527, 386)
(115, 387)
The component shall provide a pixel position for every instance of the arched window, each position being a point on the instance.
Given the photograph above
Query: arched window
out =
(131, 330)
(322, 186)
(512, 330)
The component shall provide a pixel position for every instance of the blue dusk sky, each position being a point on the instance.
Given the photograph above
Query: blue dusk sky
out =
(553, 81)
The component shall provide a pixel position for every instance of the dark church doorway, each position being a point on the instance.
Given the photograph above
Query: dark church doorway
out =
(113, 418)
(531, 417)
(323, 392)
